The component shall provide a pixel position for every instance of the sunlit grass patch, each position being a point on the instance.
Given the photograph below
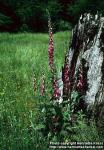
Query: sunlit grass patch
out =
(21, 56)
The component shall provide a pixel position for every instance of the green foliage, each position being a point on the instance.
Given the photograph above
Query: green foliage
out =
(4, 19)
(84, 6)
(24, 28)
(13, 131)
(33, 14)
(100, 124)
(59, 123)
(63, 25)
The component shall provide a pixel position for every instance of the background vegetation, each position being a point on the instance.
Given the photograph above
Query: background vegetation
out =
(31, 15)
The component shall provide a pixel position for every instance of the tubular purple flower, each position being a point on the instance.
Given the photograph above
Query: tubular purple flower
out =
(57, 92)
(66, 77)
(80, 81)
(51, 47)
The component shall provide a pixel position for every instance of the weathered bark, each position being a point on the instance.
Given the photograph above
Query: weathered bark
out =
(87, 52)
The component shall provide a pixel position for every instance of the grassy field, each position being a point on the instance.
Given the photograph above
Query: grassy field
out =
(21, 56)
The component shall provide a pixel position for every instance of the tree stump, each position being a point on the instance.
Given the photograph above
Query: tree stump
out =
(86, 61)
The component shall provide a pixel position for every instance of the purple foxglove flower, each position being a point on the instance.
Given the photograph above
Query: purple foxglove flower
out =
(66, 77)
(51, 47)
(56, 92)
(80, 81)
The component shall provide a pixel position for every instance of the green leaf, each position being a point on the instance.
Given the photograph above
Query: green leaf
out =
(39, 127)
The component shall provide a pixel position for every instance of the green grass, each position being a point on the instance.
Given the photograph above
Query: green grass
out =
(21, 56)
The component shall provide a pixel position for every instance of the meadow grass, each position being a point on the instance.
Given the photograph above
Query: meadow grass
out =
(21, 56)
